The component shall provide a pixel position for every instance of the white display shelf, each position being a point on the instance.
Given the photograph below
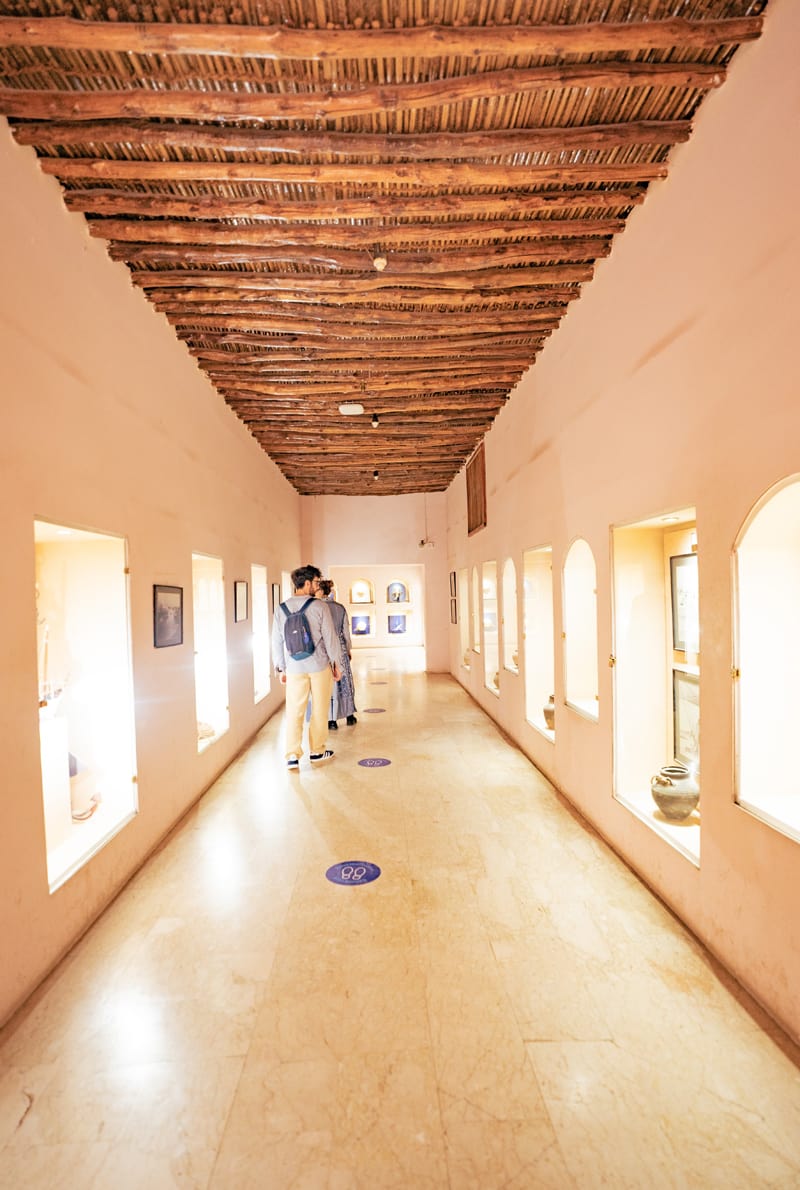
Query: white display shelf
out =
(86, 839)
(587, 707)
(780, 811)
(683, 836)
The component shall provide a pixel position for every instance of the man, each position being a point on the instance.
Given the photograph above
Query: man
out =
(313, 676)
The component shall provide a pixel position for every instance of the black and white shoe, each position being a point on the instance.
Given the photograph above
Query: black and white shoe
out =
(351, 720)
(293, 763)
(333, 725)
(321, 757)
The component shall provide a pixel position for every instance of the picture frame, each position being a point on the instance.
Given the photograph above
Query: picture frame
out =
(167, 616)
(685, 603)
(239, 601)
(686, 718)
(453, 584)
(453, 611)
(276, 596)
(397, 625)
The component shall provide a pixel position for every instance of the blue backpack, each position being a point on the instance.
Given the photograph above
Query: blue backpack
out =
(297, 633)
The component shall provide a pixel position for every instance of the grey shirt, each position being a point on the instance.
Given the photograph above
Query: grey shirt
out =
(325, 637)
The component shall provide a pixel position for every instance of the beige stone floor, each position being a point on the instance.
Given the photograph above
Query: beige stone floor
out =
(506, 1006)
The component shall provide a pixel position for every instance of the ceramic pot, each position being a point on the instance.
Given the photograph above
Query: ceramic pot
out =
(675, 791)
(549, 710)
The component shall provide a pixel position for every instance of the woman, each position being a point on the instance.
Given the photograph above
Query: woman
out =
(343, 698)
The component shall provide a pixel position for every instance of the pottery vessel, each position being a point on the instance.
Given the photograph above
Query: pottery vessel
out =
(549, 711)
(675, 791)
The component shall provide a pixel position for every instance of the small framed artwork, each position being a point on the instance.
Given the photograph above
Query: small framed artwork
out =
(685, 603)
(396, 593)
(686, 709)
(453, 611)
(452, 584)
(239, 601)
(360, 626)
(397, 624)
(167, 616)
(276, 596)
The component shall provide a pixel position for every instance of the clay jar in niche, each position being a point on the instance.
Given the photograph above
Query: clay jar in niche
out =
(549, 711)
(675, 791)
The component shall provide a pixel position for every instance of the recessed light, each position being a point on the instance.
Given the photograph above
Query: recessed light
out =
(351, 409)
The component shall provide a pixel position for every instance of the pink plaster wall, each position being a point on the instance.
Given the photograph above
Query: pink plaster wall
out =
(106, 423)
(673, 382)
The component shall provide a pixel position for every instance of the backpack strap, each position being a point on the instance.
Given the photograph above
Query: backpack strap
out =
(284, 609)
(311, 599)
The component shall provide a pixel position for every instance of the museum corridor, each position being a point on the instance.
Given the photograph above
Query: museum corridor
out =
(506, 1005)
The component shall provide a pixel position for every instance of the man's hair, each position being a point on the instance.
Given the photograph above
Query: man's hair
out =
(303, 575)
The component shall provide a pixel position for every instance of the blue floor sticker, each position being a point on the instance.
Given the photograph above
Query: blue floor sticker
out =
(374, 762)
(354, 871)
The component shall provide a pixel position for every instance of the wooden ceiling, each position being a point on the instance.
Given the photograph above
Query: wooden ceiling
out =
(384, 203)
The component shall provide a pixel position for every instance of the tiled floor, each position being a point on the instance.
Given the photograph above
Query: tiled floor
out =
(506, 1006)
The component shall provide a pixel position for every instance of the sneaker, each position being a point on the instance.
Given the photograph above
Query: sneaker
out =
(320, 757)
(293, 764)
(351, 720)
(333, 725)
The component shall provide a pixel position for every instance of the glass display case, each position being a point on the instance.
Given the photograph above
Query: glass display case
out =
(538, 629)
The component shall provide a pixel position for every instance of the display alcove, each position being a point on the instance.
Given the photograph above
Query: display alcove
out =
(656, 667)
(509, 618)
(397, 592)
(86, 723)
(476, 611)
(537, 610)
(362, 592)
(464, 617)
(260, 631)
(767, 659)
(210, 649)
(580, 630)
(491, 632)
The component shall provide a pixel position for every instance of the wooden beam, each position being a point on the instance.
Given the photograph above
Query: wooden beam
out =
(217, 206)
(455, 346)
(386, 319)
(428, 146)
(387, 300)
(360, 100)
(431, 278)
(427, 174)
(281, 43)
(164, 231)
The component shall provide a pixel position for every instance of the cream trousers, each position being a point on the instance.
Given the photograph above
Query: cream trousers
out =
(298, 688)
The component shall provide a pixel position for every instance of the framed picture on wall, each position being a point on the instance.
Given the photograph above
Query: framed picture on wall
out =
(453, 611)
(276, 596)
(239, 601)
(685, 603)
(167, 616)
(452, 584)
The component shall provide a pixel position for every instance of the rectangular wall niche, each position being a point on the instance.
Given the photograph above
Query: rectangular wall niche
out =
(657, 666)
(210, 649)
(86, 725)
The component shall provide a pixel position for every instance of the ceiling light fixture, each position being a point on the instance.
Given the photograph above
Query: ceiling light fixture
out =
(375, 422)
(351, 409)
(379, 262)
(374, 474)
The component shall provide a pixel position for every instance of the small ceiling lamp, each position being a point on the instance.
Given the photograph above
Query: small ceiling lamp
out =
(374, 474)
(379, 263)
(351, 409)
(375, 422)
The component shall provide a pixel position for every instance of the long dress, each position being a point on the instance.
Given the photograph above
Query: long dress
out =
(343, 698)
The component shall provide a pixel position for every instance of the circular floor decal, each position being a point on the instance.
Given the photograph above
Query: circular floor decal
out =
(374, 710)
(354, 871)
(379, 683)
(374, 762)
